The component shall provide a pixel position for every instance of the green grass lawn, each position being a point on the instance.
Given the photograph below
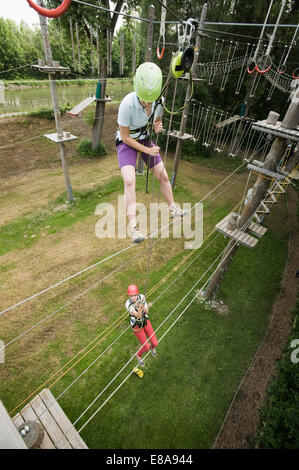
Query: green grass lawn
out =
(186, 390)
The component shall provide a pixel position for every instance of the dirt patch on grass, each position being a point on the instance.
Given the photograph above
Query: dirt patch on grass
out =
(243, 416)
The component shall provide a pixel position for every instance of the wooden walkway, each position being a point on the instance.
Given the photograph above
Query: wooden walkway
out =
(9, 435)
(277, 130)
(239, 235)
(58, 429)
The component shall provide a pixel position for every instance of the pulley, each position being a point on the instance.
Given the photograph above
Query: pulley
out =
(182, 62)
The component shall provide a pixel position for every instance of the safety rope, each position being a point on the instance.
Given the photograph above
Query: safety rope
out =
(162, 32)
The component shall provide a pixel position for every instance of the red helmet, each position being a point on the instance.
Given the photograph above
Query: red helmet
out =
(133, 289)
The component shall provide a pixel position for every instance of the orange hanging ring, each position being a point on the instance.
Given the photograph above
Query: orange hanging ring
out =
(295, 74)
(251, 62)
(281, 69)
(50, 13)
(161, 54)
(265, 62)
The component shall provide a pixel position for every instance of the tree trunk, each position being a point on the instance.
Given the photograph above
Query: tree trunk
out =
(278, 148)
(100, 106)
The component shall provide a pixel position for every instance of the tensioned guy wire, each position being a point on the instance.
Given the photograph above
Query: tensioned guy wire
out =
(110, 256)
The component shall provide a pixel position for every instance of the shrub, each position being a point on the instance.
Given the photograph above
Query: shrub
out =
(85, 149)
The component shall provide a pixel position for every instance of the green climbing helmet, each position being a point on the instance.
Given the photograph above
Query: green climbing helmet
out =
(148, 82)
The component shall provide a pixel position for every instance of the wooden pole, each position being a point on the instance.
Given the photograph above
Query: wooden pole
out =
(73, 47)
(278, 148)
(53, 90)
(184, 118)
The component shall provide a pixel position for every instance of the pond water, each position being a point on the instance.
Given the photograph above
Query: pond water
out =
(32, 99)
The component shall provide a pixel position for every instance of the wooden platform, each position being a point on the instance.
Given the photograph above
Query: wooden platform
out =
(265, 172)
(179, 135)
(67, 137)
(81, 106)
(9, 435)
(257, 229)
(240, 236)
(277, 130)
(57, 427)
(51, 69)
(228, 121)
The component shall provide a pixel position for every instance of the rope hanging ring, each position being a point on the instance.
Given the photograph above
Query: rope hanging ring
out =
(161, 54)
(50, 13)
(265, 62)
(282, 69)
(251, 61)
(162, 31)
(295, 74)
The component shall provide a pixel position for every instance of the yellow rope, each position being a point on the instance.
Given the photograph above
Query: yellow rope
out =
(119, 320)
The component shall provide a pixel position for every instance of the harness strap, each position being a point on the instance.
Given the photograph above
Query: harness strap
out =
(141, 130)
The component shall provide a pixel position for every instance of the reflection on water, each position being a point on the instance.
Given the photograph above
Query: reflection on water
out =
(32, 99)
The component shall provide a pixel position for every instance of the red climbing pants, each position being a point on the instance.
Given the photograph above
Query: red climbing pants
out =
(141, 335)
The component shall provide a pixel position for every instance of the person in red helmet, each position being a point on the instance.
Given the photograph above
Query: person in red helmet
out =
(139, 322)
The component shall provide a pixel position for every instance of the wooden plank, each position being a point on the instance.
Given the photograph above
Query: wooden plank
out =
(49, 424)
(179, 135)
(29, 415)
(239, 235)
(257, 229)
(9, 435)
(242, 236)
(223, 221)
(228, 121)
(276, 129)
(18, 420)
(62, 420)
(81, 106)
(264, 171)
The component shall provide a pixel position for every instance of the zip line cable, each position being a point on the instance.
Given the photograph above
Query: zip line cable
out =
(121, 319)
(161, 324)
(96, 283)
(110, 256)
(182, 262)
(75, 298)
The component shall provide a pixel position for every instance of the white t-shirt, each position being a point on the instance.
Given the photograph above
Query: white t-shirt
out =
(132, 114)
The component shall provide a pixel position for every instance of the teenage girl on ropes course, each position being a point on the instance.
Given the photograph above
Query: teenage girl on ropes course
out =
(134, 116)
(140, 324)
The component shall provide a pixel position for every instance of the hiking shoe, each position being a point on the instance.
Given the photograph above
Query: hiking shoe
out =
(141, 361)
(178, 212)
(136, 236)
(154, 352)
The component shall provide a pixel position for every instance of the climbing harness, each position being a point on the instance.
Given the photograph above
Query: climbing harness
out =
(50, 13)
(142, 321)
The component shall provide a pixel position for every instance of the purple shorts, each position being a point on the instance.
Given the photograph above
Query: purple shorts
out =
(128, 156)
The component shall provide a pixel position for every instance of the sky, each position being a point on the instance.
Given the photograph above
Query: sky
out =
(18, 10)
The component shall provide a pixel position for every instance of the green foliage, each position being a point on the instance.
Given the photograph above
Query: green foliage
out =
(279, 418)
(85, 149)
(47, 113)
